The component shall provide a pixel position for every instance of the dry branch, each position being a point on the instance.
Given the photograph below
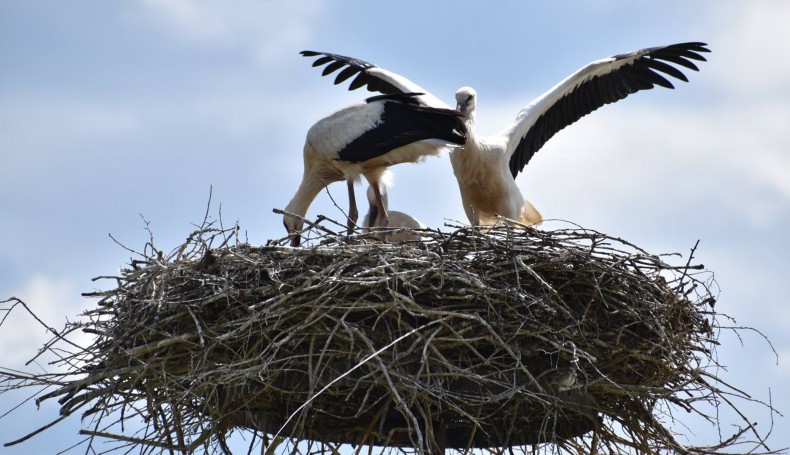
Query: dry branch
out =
(569, 339)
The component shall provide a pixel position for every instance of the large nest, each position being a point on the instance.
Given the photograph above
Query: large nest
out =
(496, 338)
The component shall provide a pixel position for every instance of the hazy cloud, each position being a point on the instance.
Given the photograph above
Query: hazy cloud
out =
(267, 30)
(51, 299)
(32, 124)
(746, 58)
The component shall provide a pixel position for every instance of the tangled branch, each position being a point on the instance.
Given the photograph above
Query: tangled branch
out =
(570, 340)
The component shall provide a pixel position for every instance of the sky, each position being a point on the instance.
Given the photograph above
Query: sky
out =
(117, 114)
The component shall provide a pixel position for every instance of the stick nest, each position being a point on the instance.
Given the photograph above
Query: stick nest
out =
(498, 338)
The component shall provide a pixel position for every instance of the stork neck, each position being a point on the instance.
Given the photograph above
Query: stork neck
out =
(305, 194)
(469, 122)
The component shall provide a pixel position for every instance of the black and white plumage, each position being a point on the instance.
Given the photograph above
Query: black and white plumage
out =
(486, 166)
(394, 232)
(364, 139)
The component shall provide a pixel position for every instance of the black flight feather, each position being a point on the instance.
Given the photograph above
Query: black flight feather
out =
(404, 121)
(352, 66)
(642, 74)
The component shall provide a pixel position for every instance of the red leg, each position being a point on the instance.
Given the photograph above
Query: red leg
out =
(353, 214)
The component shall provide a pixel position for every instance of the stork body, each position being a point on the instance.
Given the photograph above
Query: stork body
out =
(364, 139)
(486, 166)
(393, 232)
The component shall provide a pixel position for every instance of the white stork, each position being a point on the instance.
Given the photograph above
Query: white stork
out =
(396, 219)
(363, 139)
(486, 167)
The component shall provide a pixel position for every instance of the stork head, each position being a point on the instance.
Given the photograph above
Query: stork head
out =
(293, 226)
(466, 97)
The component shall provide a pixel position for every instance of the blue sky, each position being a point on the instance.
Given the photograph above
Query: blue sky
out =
(110, 110)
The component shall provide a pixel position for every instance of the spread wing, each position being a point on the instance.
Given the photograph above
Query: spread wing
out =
(596, 84)
(368, 75)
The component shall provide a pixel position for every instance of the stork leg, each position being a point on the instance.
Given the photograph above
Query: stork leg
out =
(353, 214)
(384, 217)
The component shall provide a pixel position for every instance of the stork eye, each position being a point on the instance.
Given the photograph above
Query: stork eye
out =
(469, 98)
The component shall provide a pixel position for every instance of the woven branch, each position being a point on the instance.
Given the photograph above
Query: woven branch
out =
(569, 339)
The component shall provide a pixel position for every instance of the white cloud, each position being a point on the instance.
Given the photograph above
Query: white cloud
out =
(51, 299)
(251, 110)
(632, 151)
(265, 29)
(37, 124)
(748, 53)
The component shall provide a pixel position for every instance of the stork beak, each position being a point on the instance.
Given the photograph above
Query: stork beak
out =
(461, 107)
